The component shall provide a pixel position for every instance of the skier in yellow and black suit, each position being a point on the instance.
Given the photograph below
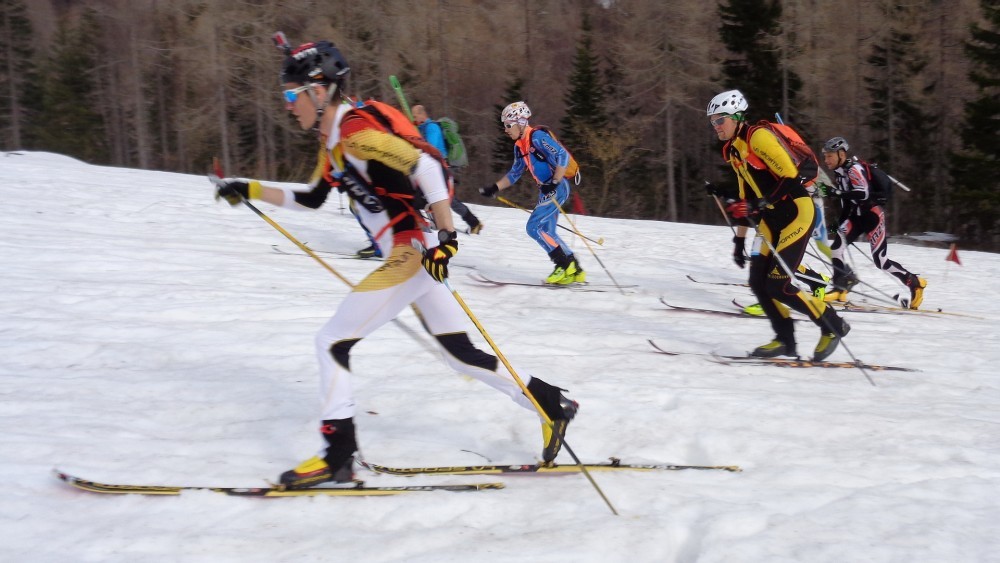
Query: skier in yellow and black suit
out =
(772, 197)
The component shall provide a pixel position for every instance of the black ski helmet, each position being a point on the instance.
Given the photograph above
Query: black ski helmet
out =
(320, 62)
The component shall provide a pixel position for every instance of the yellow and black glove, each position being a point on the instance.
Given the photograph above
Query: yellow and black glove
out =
(435, 260)
(235, 190)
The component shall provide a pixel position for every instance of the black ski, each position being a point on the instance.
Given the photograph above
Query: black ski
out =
(706, 311)
(356, 489)
(801, 363)
(583, 287)
(780, 362)
(888, 310)
(329, 253)
(614, 464)
(717, 283)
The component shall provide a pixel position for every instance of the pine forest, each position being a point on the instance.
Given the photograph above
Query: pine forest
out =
(914, 85)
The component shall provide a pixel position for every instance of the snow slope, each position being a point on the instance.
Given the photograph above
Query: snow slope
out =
(149, 335)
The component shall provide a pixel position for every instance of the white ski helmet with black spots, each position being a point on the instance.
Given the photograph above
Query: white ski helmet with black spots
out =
(517, 111)
(730, 102)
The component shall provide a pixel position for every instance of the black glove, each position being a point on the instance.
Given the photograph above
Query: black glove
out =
(548, 188)
(435, 260)
(489, 191)
(711, 189)
(738, 255)
(232, 190)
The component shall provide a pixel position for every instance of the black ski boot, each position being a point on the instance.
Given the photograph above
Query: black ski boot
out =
(774, 348)
(783, 343)
(475, 225)
(832, 328)
(336, 465)
(560, 409)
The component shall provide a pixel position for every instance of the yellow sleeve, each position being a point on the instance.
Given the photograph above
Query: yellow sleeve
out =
(393, 151)
(768, 148)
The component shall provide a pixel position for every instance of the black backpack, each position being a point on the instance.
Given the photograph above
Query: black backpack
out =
(879, 184)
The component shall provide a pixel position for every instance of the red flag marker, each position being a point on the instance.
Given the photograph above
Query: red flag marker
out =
(953, 254)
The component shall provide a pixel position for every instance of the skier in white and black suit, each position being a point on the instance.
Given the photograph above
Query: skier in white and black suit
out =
(369, 150)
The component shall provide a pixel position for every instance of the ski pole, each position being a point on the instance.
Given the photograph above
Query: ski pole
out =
(897, 182)
(413, 334)
(791, 277)
(872, 259)
(725, 216)
(505, 201)
(524, 389)
(400, 96)
(585, 239)
(520, 383)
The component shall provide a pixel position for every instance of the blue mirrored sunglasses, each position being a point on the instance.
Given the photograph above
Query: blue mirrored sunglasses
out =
(293, 94)
(718, 120)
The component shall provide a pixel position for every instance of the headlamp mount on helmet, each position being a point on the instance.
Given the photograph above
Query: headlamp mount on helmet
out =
(317, 62)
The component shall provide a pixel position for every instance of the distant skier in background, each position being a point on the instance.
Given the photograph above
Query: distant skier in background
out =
(536, 151)
(433, 134)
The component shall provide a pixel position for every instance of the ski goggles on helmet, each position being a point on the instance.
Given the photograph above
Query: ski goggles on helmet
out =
(293, 94)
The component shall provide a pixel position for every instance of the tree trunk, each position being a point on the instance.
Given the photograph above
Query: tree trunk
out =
(12, 84)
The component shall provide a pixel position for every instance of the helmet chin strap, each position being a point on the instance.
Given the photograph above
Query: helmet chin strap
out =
(331, 91)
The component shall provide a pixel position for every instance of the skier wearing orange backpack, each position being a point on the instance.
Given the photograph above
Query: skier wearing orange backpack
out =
(381, 160)
(538, 152)
(772, 197)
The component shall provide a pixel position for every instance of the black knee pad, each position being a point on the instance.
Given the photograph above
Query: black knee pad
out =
(459, 346)
(341, 351)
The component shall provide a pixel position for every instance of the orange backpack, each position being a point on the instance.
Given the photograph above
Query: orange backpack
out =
(804, 158)
(572, 167)
(392, 120)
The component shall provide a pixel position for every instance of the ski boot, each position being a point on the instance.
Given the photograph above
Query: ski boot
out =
(475, 225)
(573, 273)
(557, 275)
(833, 329)
(844, 279)
(916, 285)
(775, 348)
(559, 409)
(336, 465)
(371, 251)
(820, 293)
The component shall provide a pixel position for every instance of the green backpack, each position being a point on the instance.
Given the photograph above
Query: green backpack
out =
(457, 157)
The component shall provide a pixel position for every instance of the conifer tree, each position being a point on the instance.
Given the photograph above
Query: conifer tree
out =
(749, 31)
(899, 124)
(19, 93)
(585, 109)
(72, 126)
(974, 168)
